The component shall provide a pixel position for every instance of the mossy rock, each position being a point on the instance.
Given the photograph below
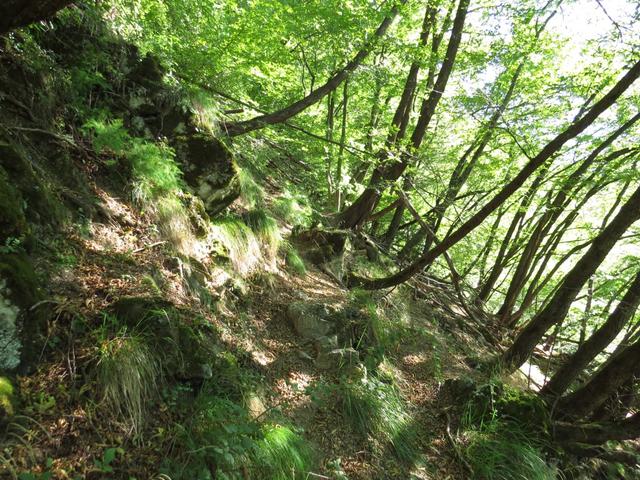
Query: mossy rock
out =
(209, 170)
(7, 399)
(24, 292)
(39, 203)
(184, 347)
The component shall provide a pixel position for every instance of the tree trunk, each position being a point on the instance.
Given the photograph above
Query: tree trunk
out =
(596, 433)
(605, 382)
(571, 285)
(20, 13)
(261, 121)
(545, 154)
(596, 343)
(357, 212)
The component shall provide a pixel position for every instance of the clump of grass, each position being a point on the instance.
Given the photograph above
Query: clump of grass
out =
(174, 224)
(128, 374)
(292, 209)
(503, 451)
(294, 261)
(239, 242)
(156, 178)
(377, 409)
(282, 454)
(250, 192)
(506, 434)
(266, 229)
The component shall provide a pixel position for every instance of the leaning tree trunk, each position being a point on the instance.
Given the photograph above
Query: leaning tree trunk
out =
(20, 13)
(556, 310)
(596, 343)
(509, 189)
(605, 382)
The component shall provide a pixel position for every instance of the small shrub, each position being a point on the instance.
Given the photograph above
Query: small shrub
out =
(128, 376)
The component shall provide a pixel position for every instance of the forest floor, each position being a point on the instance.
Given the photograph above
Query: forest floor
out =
(90, 268)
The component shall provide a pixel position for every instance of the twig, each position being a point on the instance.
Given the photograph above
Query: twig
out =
(146, 247)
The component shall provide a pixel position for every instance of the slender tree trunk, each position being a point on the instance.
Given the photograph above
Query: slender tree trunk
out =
(353, 216)
(553, 211)
(571, 285)
(319, 93)
(343, 140)
(545, 154)
(598, 341)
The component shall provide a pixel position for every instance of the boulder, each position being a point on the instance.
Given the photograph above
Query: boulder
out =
(310, 320)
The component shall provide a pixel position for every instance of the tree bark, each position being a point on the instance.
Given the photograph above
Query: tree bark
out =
(20, 13)
(319, 93)
(596, 343)
(557, 308)
(597, 433)
(545, 154)
(605, 382)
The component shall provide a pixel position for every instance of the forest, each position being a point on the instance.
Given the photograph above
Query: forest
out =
(320, 239)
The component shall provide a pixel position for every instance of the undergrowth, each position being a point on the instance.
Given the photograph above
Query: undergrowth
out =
(506, 436)
(374, 408)
(128, 374)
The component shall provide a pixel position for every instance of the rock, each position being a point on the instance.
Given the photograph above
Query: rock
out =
(338, 358)
(20, 319)
(310, 320)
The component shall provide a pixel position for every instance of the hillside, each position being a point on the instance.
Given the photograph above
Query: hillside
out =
(199, 283)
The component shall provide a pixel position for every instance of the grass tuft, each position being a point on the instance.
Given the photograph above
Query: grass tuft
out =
(292, 209)
(250, 192)
(128, 375)
(376, 408)
(266, 229)
(239, 242)
(282, 454)
(295, 262)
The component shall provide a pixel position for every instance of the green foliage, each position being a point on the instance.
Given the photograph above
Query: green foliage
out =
(155, 172)
(128, 373)
(266, 229)
(45, 474)
(502, 451)
(374, 408)
(292, 209)
(506, 432)
(281, 454)
(294, 261)
(103, 465)
(251, 193)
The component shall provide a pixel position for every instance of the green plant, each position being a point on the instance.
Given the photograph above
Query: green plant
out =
(281, 454)
(128, 374)
(294, 261)
(292, 209)
(103, 465)
(266, 229)
(376, 408)
(506, 434)
(504, 451)
(250, 192)
(239, 243)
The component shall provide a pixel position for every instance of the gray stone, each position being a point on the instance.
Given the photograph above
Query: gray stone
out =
(310, 320)
(338, 358)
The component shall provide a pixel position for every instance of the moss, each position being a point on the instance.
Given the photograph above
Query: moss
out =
(24, 292)
(6, 397)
